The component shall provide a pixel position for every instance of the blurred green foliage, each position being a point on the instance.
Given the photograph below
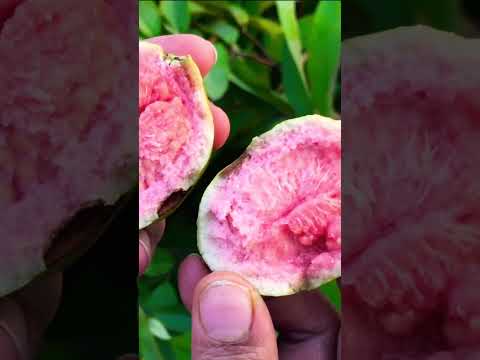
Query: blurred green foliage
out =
(276, 60)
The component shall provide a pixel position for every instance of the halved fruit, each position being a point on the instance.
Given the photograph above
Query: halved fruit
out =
(175, 131)
(274, 215)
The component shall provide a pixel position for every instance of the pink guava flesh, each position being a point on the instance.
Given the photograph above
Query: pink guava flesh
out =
(412, 195)
(274, 216)
(65, 132)
(174, 138)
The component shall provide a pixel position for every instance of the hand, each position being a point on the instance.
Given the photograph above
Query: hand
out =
(230, 320)
(205, 56)
(24, 317)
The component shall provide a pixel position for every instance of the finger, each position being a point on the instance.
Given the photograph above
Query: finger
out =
(202, 51)
(191, 271)
(310, 327)
(222, 126)
(230, 320)
(147, 242)
(25, 316)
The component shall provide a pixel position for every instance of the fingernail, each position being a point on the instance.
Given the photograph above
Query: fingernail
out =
(226, 311)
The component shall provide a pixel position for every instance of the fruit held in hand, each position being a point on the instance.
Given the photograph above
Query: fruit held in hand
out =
(274, 215)
(175, 131)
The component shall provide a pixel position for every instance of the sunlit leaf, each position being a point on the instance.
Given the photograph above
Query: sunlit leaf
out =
(148, 347)
(177, 14)
(288, 20)
(158, 329)
(324, 54)
(295, 90)
(217, 80)
(149, 20)
(225, 31)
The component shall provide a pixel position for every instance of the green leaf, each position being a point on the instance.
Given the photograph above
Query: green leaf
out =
(295, 90)
(324, 54)
(182, 346)
(162, 263)
(332, 292)
(217, 80)
(236, 11)
(225, 31)
(177, 14)
(163, 296)
(177, 321)
(269, 96)
(149, 20)
(158, 329)
(272, 36)
(257, 7)
(305, 24)
(251, 72)
(148, 347)
(291, 29)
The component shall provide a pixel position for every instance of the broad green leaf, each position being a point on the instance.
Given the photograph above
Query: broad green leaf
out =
(324, 54)
(332, 292)
(178, 321)
(149, 20)
(305, 24)
(181, 346)
(294, 87)
(148, 347)
(269, 96)
(158, 329)
(272, 36)
(217, 80)
(288, 20)
(161, 264)
(163, 296)
(225, 31)
(177, 14)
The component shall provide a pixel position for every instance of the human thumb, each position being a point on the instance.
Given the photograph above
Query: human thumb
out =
(230, 321)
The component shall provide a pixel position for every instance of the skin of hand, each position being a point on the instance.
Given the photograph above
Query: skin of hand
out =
(230, 320)
(204, 54)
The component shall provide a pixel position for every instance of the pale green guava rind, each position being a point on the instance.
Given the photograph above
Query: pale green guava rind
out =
(176, 199)
(265, 286)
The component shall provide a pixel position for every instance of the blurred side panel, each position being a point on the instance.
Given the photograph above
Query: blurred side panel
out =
(410, 190)
(68, 145)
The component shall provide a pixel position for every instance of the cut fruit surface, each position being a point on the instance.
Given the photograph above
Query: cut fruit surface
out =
(175, 130)
(274, 215)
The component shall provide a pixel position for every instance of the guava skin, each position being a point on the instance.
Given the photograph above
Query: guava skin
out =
(175, 131)
(411, 196)
(273, 215)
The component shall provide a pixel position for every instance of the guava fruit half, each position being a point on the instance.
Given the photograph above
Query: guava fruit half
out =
(273, 215)
(175, 131)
